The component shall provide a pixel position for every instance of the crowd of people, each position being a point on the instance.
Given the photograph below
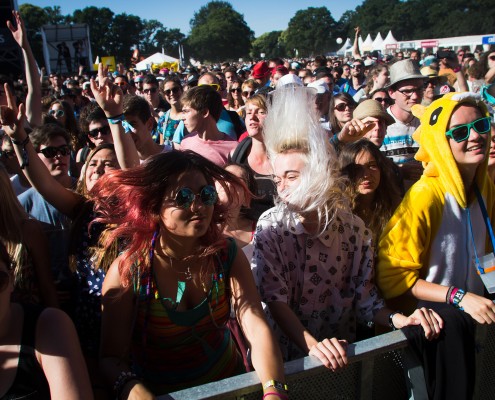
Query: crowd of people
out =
(160, 230)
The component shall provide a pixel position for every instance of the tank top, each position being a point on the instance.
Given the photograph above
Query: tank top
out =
(172, 350)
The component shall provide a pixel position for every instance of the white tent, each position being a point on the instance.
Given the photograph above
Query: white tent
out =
(345, 47)
(157, 58)
(368, 44)
(378, 43)
(390, 41)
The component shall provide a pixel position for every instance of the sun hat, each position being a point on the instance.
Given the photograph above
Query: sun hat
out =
(320, 85)
(404, 70)
(372, 108)
(289, 79)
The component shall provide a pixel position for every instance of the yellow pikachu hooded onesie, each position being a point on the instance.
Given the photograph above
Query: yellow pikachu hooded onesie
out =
(429, 235)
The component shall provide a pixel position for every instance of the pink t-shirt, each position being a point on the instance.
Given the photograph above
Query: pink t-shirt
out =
(217, 151)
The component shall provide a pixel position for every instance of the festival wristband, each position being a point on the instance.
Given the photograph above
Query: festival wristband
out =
(276, 385)
(116, 120)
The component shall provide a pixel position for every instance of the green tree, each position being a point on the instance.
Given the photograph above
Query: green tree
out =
(55, 16)
(99, 21)
(311, 32)
(170, 40)
(269, 43)
(34, 18)
(218, 32)
(123, 34)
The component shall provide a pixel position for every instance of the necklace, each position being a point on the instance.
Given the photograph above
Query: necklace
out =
(187, 274)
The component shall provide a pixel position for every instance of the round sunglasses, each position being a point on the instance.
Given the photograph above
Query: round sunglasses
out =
(51, 152)
(185, 196)
(56, 113)
(462, 132)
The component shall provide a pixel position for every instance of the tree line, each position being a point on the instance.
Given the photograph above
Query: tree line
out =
(218, 32)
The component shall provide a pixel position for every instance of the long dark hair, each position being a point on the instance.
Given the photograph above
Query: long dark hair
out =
(386, 197)
(334, 123)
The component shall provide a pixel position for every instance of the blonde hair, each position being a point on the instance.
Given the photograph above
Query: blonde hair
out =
(11, 217)
(292, 125)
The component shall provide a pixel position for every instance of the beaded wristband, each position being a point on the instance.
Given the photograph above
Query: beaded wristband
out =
(25, 158)
(276, 385)
(116, 120)
(279, 395)
(459, 295)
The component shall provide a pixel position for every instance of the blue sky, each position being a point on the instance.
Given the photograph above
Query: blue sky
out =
(261, 15)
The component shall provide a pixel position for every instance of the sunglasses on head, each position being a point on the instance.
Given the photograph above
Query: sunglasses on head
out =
(235, 90)
(462, 132)
(174, 90)
(51, 152)
(185, 196)
(215, 86)
(150, 90)
(56, 113)
(103, 130)
(342, 106)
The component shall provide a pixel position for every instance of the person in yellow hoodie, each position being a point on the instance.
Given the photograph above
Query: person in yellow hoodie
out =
(430, 251)
(428, 248)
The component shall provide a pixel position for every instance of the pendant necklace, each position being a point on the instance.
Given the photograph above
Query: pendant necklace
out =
(187, 274)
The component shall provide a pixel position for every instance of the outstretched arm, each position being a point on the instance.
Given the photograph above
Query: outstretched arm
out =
(12, 121)
(355, 49)
(33, 99)
(110, 99)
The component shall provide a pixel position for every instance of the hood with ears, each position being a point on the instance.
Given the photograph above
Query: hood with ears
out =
(434, 149)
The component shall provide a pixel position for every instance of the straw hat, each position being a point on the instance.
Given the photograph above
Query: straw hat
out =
(371, 108)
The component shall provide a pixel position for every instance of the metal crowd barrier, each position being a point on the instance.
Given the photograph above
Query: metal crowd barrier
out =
(379, 368)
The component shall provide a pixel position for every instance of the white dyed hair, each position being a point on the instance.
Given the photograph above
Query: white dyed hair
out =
(292, 125)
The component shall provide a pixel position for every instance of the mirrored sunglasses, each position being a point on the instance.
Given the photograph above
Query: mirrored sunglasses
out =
(56, 113)
(51, 152)
(462, 132)
(185, 196)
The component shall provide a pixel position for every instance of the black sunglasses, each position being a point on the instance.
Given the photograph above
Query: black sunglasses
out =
(185, 196)
(150, 90)
(342, 106)
(103, 130)
(384, 100)
(56, 113)
(51, 152)
(174, 90)
(235, 90)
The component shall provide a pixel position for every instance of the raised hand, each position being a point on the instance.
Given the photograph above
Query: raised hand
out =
(108, 96)
(19, 32)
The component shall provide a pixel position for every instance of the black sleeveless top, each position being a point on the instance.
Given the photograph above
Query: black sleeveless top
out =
(266, 190)
(30, 382)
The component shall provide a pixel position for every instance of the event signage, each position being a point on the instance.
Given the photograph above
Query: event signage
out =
(429, 43)
(488, 39)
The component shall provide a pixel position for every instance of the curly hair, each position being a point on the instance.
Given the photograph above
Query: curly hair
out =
(130, 202)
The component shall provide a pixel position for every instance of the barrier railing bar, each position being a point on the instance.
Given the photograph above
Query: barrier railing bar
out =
(247, 383)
